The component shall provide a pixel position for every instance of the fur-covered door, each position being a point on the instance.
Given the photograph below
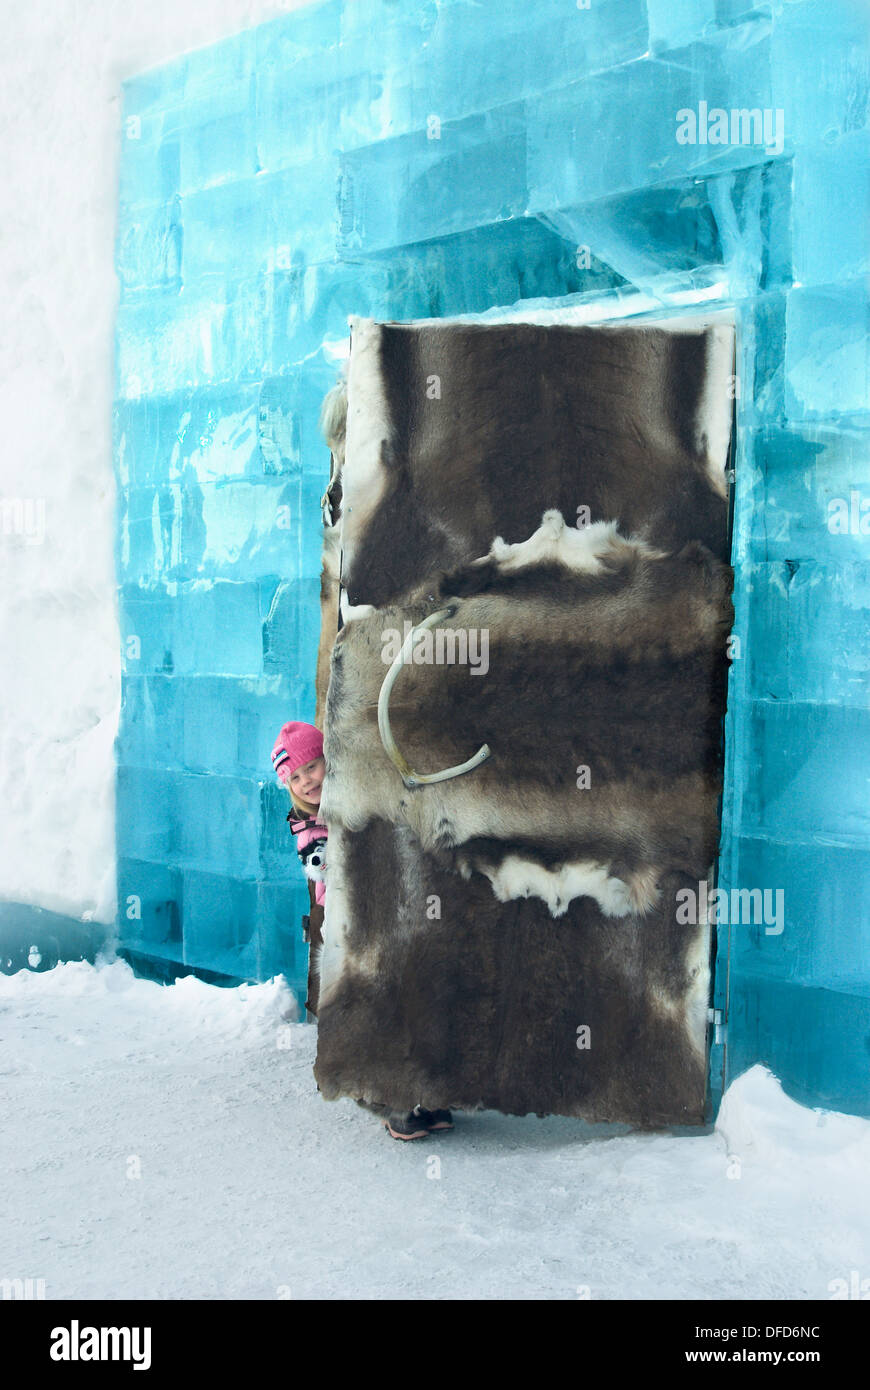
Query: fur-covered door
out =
(512, 937)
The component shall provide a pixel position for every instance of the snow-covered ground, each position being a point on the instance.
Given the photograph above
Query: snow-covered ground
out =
(169, 1142)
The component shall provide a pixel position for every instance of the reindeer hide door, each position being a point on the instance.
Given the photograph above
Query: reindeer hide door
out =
(551, 504)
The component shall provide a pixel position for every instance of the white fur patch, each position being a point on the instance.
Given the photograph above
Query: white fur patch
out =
(517, 877)
(690, 1008)
(698, 995)
(350, 611)
(363, 478)
(713, 424)
(584, 549)
(333, 418)
(334, 954)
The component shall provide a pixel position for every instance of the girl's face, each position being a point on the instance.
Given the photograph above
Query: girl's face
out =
(307, 779)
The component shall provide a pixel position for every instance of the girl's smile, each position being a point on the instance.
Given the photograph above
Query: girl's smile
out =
(307, 780)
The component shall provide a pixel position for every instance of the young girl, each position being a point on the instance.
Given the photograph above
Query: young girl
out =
(300, 766)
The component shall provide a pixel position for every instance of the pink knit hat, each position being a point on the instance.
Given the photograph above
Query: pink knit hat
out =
(296, 744)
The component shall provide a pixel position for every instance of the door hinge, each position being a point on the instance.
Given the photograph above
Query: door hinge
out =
(720, 1027)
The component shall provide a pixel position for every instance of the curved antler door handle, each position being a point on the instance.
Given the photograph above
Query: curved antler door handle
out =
(409, 777)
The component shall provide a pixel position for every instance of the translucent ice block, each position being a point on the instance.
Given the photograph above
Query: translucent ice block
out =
(815, 760)
(835, 178)
(404, 189)
(828, 352)
(224, 530)
(255, 225)
(674, 23)
(821, 67)
(201, 627)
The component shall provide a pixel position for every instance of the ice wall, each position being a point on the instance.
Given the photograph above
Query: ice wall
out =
(429, 159)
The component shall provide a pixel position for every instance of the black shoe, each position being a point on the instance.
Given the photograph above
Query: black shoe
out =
(434, 1119)
(410, 1126)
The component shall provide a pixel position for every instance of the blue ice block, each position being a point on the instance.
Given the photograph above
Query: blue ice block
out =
(763, 911)
(378, 70)
(230, 725)
(821, 67)
(807, 632)
(675, 23)
(150, 170)
(314, 484)
(226, 530)
(291, 404)
(310, 306)
(291, 630)
(215, 923)
(149, 248)
(766, 636)
(217, 822)
(220, 917)
(403, 190)
(800, 1001)
(826, 918)
(189, 124)
(730, 12)
(806, 508)
(815, 760)
(469, 64)
(836, 178)
(233, 431)
(646, 236)
(222, 433)
(277, 845)
(151, 726)
(827, 362)
(150, 907)
(232, 337)
(168, 342)
(205, 723)
(761, 330)
(304, 41)
(829, 625)
(256, 225)
(321, 86)
(813, 1038)
(279, 424)
(234, 824)
(225, 64)
(146, 815)
(748, 538)
(244, 931)
(581, 146)
(205, 628)
(743, 203)
(280, 946)
(306, 112)
(217, 332)
(503, 262)
(219, 140)
(146, 519)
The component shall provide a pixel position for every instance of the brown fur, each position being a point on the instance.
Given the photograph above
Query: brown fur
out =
(435, 990)
(528, 418)
(633, 669)
(481, 1007)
